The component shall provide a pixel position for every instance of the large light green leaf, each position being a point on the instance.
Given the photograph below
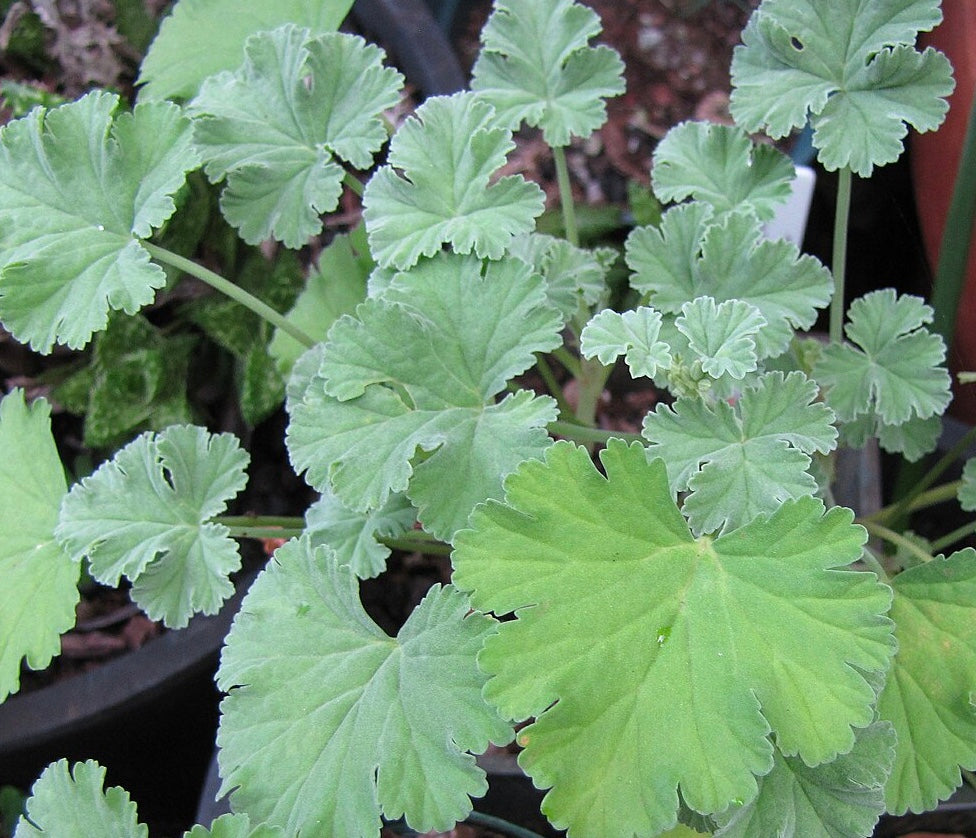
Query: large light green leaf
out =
(536, 66)
(39, 590)
(895, 370)
(854, 73)
(74, 803)
(146, 514)
(930, 691)
(417, 370)
(743, 460)
(720, 165)
(686, 654)
(203, 37)
(447, 152)
(692, 256)
(274, 127)
(78, 186)
(330, 723)
(840, 799)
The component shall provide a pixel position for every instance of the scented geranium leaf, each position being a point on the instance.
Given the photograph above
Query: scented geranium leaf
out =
(273, 128)
(929, 693)
(967, 492)
(146, 514)
(74, 803)
(855, 74)
(572, 274)
(233, 826)
(202, 37)
(353, 535)
(743, 460)
(720, 165)
(838, 799)
(330, 723)
(622, 617)
(729, 260)
(895, 368)
(40, 582)
(418, 369)
(447, 152)
(633, 334)
(722, 335)
(335, 287)
(78, 186)
(536, 66)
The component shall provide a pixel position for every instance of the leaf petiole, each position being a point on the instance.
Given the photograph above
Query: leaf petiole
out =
(236, 293)
(565, 195)
(842, 213)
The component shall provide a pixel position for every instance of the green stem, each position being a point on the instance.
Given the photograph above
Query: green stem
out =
(236, 293)
(950, 274)
(897, 539)
(500, 825)
(941, 544)
(593, 375)
(894, 513)
(568, 360)
(872, 561)
(282, 521)
(584, 433)
(353, 183)
(262, 533)
(842, 213)
(416, 541)
(565, 195)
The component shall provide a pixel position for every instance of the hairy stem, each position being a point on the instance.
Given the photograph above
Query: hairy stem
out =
(236, 293)
(566, 195)
(842, 213)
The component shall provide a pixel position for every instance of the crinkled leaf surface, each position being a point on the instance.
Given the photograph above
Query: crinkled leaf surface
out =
(418, 369)
(633, 334)
(895, 369)
(720, 165)
(40, 582)
(744, 460)
(274, 127)
(838, 799)
(536, 66)
(447, 152)
(967, 492)
(329, 722)
(78, 186)
(854, 73)
(929, 693)
(146, 514)
(203, 37)
(572, 274)
(353, 535)
(722, 335)
(74, 803)
(684, 653)
(690, 256)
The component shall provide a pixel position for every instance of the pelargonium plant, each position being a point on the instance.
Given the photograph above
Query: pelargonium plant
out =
(680, 623)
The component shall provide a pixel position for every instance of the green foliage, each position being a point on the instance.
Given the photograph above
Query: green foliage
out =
(74, 803)
(78, 185)
(338, 722)
(536, 66)
(448, 152)
(38, 596)
(571, 549)
(146, 514)
(374, 403)
(203, 37)
(274, 128)
(854, 73)
(929, 693)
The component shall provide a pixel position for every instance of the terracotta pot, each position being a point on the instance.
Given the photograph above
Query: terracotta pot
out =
(935, 159)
